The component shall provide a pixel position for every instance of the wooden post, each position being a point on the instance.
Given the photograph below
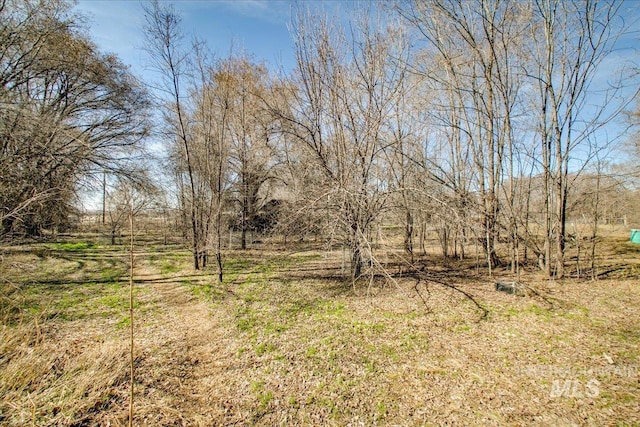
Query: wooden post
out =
(131, 355)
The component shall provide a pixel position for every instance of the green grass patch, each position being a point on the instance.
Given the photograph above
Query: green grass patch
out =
(112, 274)
(68, 302)
(361, 327)
(169, 267)
(70, 246)
(124, 323)
(246, 319)
(332, 309)
(237, 265)
(265, 347)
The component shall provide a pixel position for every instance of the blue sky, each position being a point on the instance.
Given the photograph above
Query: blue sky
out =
(257, 27)
(261, 28)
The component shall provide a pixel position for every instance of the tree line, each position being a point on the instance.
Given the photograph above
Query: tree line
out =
(483, 120)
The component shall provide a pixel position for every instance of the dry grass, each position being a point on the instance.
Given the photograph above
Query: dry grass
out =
(284, 342)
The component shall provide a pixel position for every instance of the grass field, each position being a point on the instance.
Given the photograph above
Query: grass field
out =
(285, 341)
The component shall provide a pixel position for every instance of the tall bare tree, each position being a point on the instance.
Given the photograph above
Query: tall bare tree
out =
(473, 48)
(68, 112)
(345, 86)
(252, 155)
(571, 40)
(195, 105)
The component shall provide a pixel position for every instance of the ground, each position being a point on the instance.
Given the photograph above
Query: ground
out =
(285, 340)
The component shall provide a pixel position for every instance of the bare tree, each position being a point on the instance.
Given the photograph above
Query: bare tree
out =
(345, 86)
(571, 40)
(124, 199)
(68, 112)
(196, 105)
(473, 62)
(252, 155)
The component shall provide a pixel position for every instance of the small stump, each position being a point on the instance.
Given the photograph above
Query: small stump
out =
(513, 288)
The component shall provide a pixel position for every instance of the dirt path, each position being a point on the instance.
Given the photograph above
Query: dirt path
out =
(186, 364)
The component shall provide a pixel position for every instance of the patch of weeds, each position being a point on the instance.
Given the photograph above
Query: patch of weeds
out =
(257, 386)
(412, 315)
(387, 314)
(168, 267)
(364, 327)
(233, 267)
(537, 310)
(628, 335)
(110, 275)
(332, 358)
(237, 264)
(274, 328)
(200, 290)
(267, 267)
(207, 291)
(123, 323)
(580, 313)
(245, 324)
(311, 352)
(378, 327)
(462, 328)
(512, 312)
(246, 319)
(118, 301)
(606, 396)
(112, 301)
(626, 398)
(328, 341)
(331, 309)
(370, 365)
(264, 400)
(328, 403)
(381, 410)
(70, 247)
(294, 402)
(72, 301)
(384, 349)
(295, 308)
(534, 309)
(263, 396)
(409, 341)
(250, 297)
(263, 348)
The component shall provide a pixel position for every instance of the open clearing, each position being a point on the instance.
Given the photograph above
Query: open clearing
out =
(286, 342)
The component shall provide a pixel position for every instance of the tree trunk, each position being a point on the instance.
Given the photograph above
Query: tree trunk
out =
(561, 230)
(408, 236)
(356, 261)
(356, 253)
